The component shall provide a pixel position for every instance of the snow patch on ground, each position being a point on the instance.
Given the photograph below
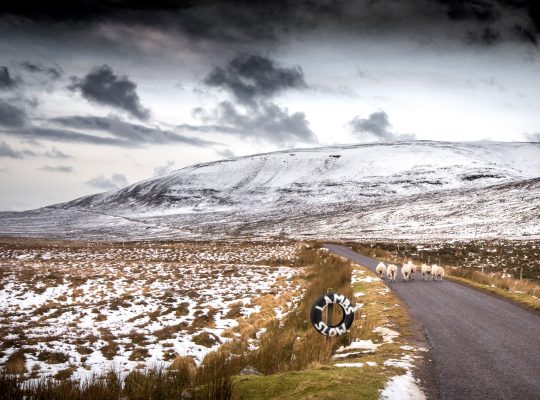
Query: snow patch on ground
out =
(387, 334)
(349, 365)
(359, 345)
(402, 387)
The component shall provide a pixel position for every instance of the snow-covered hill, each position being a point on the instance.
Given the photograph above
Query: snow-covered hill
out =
(405, 189)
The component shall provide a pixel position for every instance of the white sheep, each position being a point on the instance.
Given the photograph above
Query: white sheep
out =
(437, 272)
(414, 268)
(406, 271)
(426, 271)
(380, 269)
(391, 272)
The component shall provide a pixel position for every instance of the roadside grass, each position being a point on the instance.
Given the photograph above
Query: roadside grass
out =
(322, 383)
(524, 292)
(322, 379)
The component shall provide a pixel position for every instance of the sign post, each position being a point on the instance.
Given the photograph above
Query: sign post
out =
(326, 302)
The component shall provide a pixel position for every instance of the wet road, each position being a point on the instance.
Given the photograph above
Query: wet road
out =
(483, 347)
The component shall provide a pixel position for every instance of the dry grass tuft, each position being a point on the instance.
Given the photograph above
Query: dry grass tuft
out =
(15, 363)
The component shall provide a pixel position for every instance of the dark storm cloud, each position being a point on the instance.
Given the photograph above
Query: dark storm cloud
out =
(245, 21)
(54, 72)
(525, 34)
(7, 81)
(11, 116)
(481, 10)
(57, 168)
(116, 181)
(7, 151)
(103, 86)
(486, 36)
(253, 80)
(377, 126)
(251, 77)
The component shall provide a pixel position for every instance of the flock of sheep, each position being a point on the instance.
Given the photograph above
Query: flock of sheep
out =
(408, 270)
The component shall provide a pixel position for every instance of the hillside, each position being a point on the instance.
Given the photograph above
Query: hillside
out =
(404, 189)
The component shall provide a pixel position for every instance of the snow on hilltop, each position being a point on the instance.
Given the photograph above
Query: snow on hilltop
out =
(404, 189)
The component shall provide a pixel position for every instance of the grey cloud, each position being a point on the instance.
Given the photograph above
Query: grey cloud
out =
(116, 181)
(6, 80)
(163, 169)
(266, 121)
(126, 132)
(533, 137)
(226, 153)
(7, 151)
(57, 168)
(11, 116)
(103, 86)
(252, 77)
(55, 153)
(377, 126)
(65, 135)
(54, 72)
(79, 129)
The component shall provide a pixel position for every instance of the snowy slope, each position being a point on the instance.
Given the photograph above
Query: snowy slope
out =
(403, 189)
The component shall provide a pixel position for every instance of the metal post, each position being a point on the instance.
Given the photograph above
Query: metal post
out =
(330, 310)
(329, 315)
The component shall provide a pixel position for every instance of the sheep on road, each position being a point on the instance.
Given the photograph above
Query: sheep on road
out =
(406, 271)
(391, 272)
(381, 269)
(437, 272)
(426, 271)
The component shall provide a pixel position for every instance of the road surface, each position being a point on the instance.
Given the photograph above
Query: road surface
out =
(483, 347)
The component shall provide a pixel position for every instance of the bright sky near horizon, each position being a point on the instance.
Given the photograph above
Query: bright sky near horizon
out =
(95, 96)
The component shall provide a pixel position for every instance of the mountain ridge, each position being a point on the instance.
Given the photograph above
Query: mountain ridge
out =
(250, 195)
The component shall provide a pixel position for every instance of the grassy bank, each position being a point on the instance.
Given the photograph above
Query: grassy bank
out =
(381, 320)
(524, 292)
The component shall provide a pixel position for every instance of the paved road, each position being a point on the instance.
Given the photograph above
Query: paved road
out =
(483, 347)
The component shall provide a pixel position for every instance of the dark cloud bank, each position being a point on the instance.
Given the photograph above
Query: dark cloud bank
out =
(252, 81)
(244, 21)
(252, 77)
(103, 86)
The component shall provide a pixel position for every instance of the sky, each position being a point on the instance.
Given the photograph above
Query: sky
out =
(98, 95)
